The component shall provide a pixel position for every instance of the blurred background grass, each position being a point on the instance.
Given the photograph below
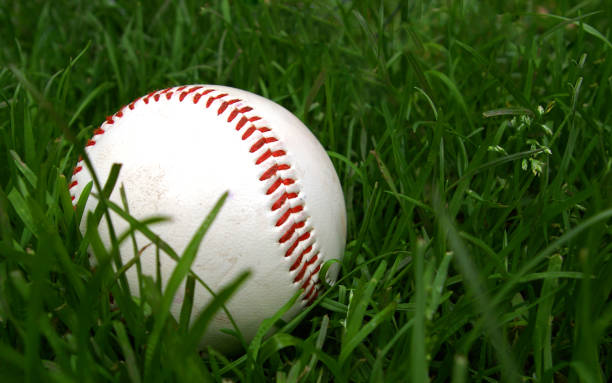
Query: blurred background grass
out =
(472, 140)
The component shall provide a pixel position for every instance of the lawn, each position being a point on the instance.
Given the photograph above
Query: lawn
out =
(472, 139)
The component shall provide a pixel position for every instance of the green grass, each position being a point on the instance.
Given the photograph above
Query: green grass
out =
(473, 141)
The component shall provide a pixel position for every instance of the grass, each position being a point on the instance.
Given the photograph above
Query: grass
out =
(473, 141)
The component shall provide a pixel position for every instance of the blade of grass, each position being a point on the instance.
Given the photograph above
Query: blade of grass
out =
(380, 317)
(200, 324)
(23, 168)
(542, 346)
(533, 262)
(88, 100)
(128, 352)
(454, 91)
(418, 361)
(357, 309)
(264, 328)
(178, 275)
(472, 281)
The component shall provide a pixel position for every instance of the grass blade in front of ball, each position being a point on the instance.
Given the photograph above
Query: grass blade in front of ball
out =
(265, 327)
(192, 341)
(178, 275)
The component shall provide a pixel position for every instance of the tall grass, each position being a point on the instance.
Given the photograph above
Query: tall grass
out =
(472, 140)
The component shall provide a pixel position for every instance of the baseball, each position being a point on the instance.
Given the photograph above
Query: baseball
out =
(181, 148)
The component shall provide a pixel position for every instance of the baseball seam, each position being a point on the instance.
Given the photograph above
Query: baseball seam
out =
(297, 237)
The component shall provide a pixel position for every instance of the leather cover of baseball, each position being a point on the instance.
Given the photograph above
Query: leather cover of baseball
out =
(181, 148)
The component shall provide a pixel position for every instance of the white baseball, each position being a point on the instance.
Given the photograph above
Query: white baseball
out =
(181, 148)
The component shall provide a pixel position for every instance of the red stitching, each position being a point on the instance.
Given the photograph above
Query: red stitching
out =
(298, 261)
(185, 93)
(272, 171)
(194, 88)
(278, 182)
(300, 275)
(211, 99)
(288, 212)
(225, 105)
(312, 298)
(281, 200)
(307, 282)
(248, 132)
(235, 112)
(244, 120)
(268, 153)
(131, 105)
(307, 296)
(291, 248)
(241, 123)
(264, 140)
(197, 97)
(148, 96)
(289, 233)
(159, 93)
